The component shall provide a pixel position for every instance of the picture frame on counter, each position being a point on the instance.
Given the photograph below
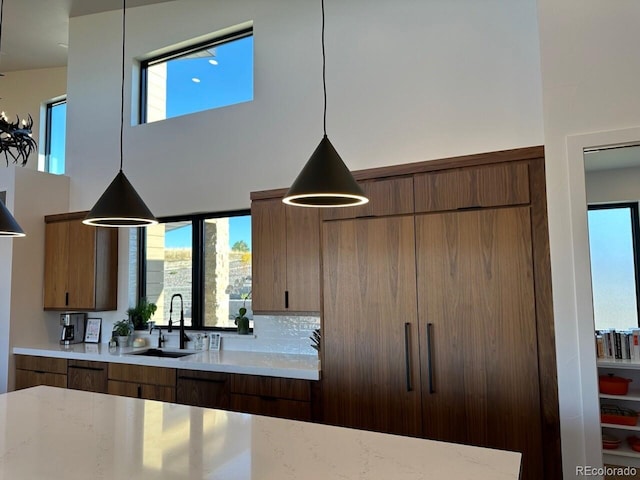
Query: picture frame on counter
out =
(92, 331)
(214, 344)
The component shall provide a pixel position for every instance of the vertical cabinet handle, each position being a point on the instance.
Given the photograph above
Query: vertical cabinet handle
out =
(407, 355)
(286, 299)
(66, 298)
(139, 391)
(430, 357)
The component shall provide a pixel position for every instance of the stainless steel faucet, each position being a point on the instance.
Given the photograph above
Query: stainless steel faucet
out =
(183, 336)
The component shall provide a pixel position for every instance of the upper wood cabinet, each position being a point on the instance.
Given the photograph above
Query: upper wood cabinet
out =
(389, 196)
(81, 264)
(286, 257)
(471, 187)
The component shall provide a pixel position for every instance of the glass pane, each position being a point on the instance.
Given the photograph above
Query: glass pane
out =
(169, 261)
(57, 132)
(612, 268)
(227, 270)
(209, 78)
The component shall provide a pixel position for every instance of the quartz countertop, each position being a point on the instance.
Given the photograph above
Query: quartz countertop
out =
(69, 434)
(284, 365)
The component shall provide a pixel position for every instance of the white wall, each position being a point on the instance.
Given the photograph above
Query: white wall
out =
(24, 92)
(590, 68)
(615, 185)
(31, 195)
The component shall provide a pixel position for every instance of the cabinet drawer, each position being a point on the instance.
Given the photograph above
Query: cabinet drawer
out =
(275, 387)
(138, 390)
(30, 378)
(142, 374)
(386, 197)
(87, 375)
(41, 364)
(484, 186)
(203, 389)
(272, 407)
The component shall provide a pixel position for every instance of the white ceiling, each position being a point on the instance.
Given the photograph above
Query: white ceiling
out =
(627, 156)
(33, 29)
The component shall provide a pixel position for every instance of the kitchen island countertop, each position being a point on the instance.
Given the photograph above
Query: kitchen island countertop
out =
(306, 367)
(65, 434)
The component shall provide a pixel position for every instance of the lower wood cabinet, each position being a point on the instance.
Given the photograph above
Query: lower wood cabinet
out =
(203, 389)
(150, 383)
(272, 396)
(32, 371)
(88, 376)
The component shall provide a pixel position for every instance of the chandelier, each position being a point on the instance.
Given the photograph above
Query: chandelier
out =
(16, 142)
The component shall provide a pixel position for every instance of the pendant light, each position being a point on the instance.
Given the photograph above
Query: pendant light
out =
(120, 205)
(325, 181)
(8, 225)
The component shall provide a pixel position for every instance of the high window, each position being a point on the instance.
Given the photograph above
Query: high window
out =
(613, 243)
(55, 137)
(201, 77)
(207, 259)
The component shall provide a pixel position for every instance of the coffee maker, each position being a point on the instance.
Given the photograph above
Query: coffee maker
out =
(72, 328)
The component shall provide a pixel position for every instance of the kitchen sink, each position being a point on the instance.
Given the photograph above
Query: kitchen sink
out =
(156, 352)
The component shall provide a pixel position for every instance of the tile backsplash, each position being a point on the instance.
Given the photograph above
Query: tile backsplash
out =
(271, 333)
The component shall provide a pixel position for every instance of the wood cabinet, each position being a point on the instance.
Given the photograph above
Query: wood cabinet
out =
(387, 196)
(87, 375)
(476, 306)
(150, 383)
(32, 371)
(203, 389)
(285, 256)
(438, 322)
(271, 396)
(370, 369)
(81, 264)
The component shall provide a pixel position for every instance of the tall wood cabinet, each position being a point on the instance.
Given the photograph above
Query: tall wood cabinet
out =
(285, 256)
(81, 264)
(437, 317)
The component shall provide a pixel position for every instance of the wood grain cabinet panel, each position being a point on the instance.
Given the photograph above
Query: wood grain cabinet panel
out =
(290, 388)
(389, 196)
(81, 265)
(203, 389)
(87, 375)
(472, 187)
(32, 371)
(271, 407)
(143, 374)
(141, 390)
(370, 370)
(476, 304)
(285, 257)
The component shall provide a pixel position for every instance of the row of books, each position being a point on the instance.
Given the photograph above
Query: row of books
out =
(623, 345)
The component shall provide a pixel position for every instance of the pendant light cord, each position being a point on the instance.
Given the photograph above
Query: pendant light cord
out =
(324, 75)
(124, 10)
(1, 15)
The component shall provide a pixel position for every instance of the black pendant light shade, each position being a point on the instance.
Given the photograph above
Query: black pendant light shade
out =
(325, 181)
(120, 206)
(8, 225)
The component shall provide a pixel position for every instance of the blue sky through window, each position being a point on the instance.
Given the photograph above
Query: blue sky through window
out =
(239, 229)
(57, 138)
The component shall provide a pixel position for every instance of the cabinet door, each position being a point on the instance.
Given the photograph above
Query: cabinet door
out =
(302, 292)
(370, 343)
(140, 390)
(268, 238)
(56, 267)
(87, 376)
(203, 389)
(271, 407)
(31, 378)
(82, 261)
(478, 331)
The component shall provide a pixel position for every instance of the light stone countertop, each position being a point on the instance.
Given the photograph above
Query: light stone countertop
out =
(65, 434)
(306, 367)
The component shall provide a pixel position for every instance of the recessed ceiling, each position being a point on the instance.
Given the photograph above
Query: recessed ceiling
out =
(33, 30)
(627, 156)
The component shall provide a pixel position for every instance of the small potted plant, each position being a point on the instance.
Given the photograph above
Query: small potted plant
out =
(142, 313)
(122, 330)
(241, 320)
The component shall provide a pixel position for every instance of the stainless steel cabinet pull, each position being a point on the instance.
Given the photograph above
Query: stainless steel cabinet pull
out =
(407, 355)
(430, 357)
